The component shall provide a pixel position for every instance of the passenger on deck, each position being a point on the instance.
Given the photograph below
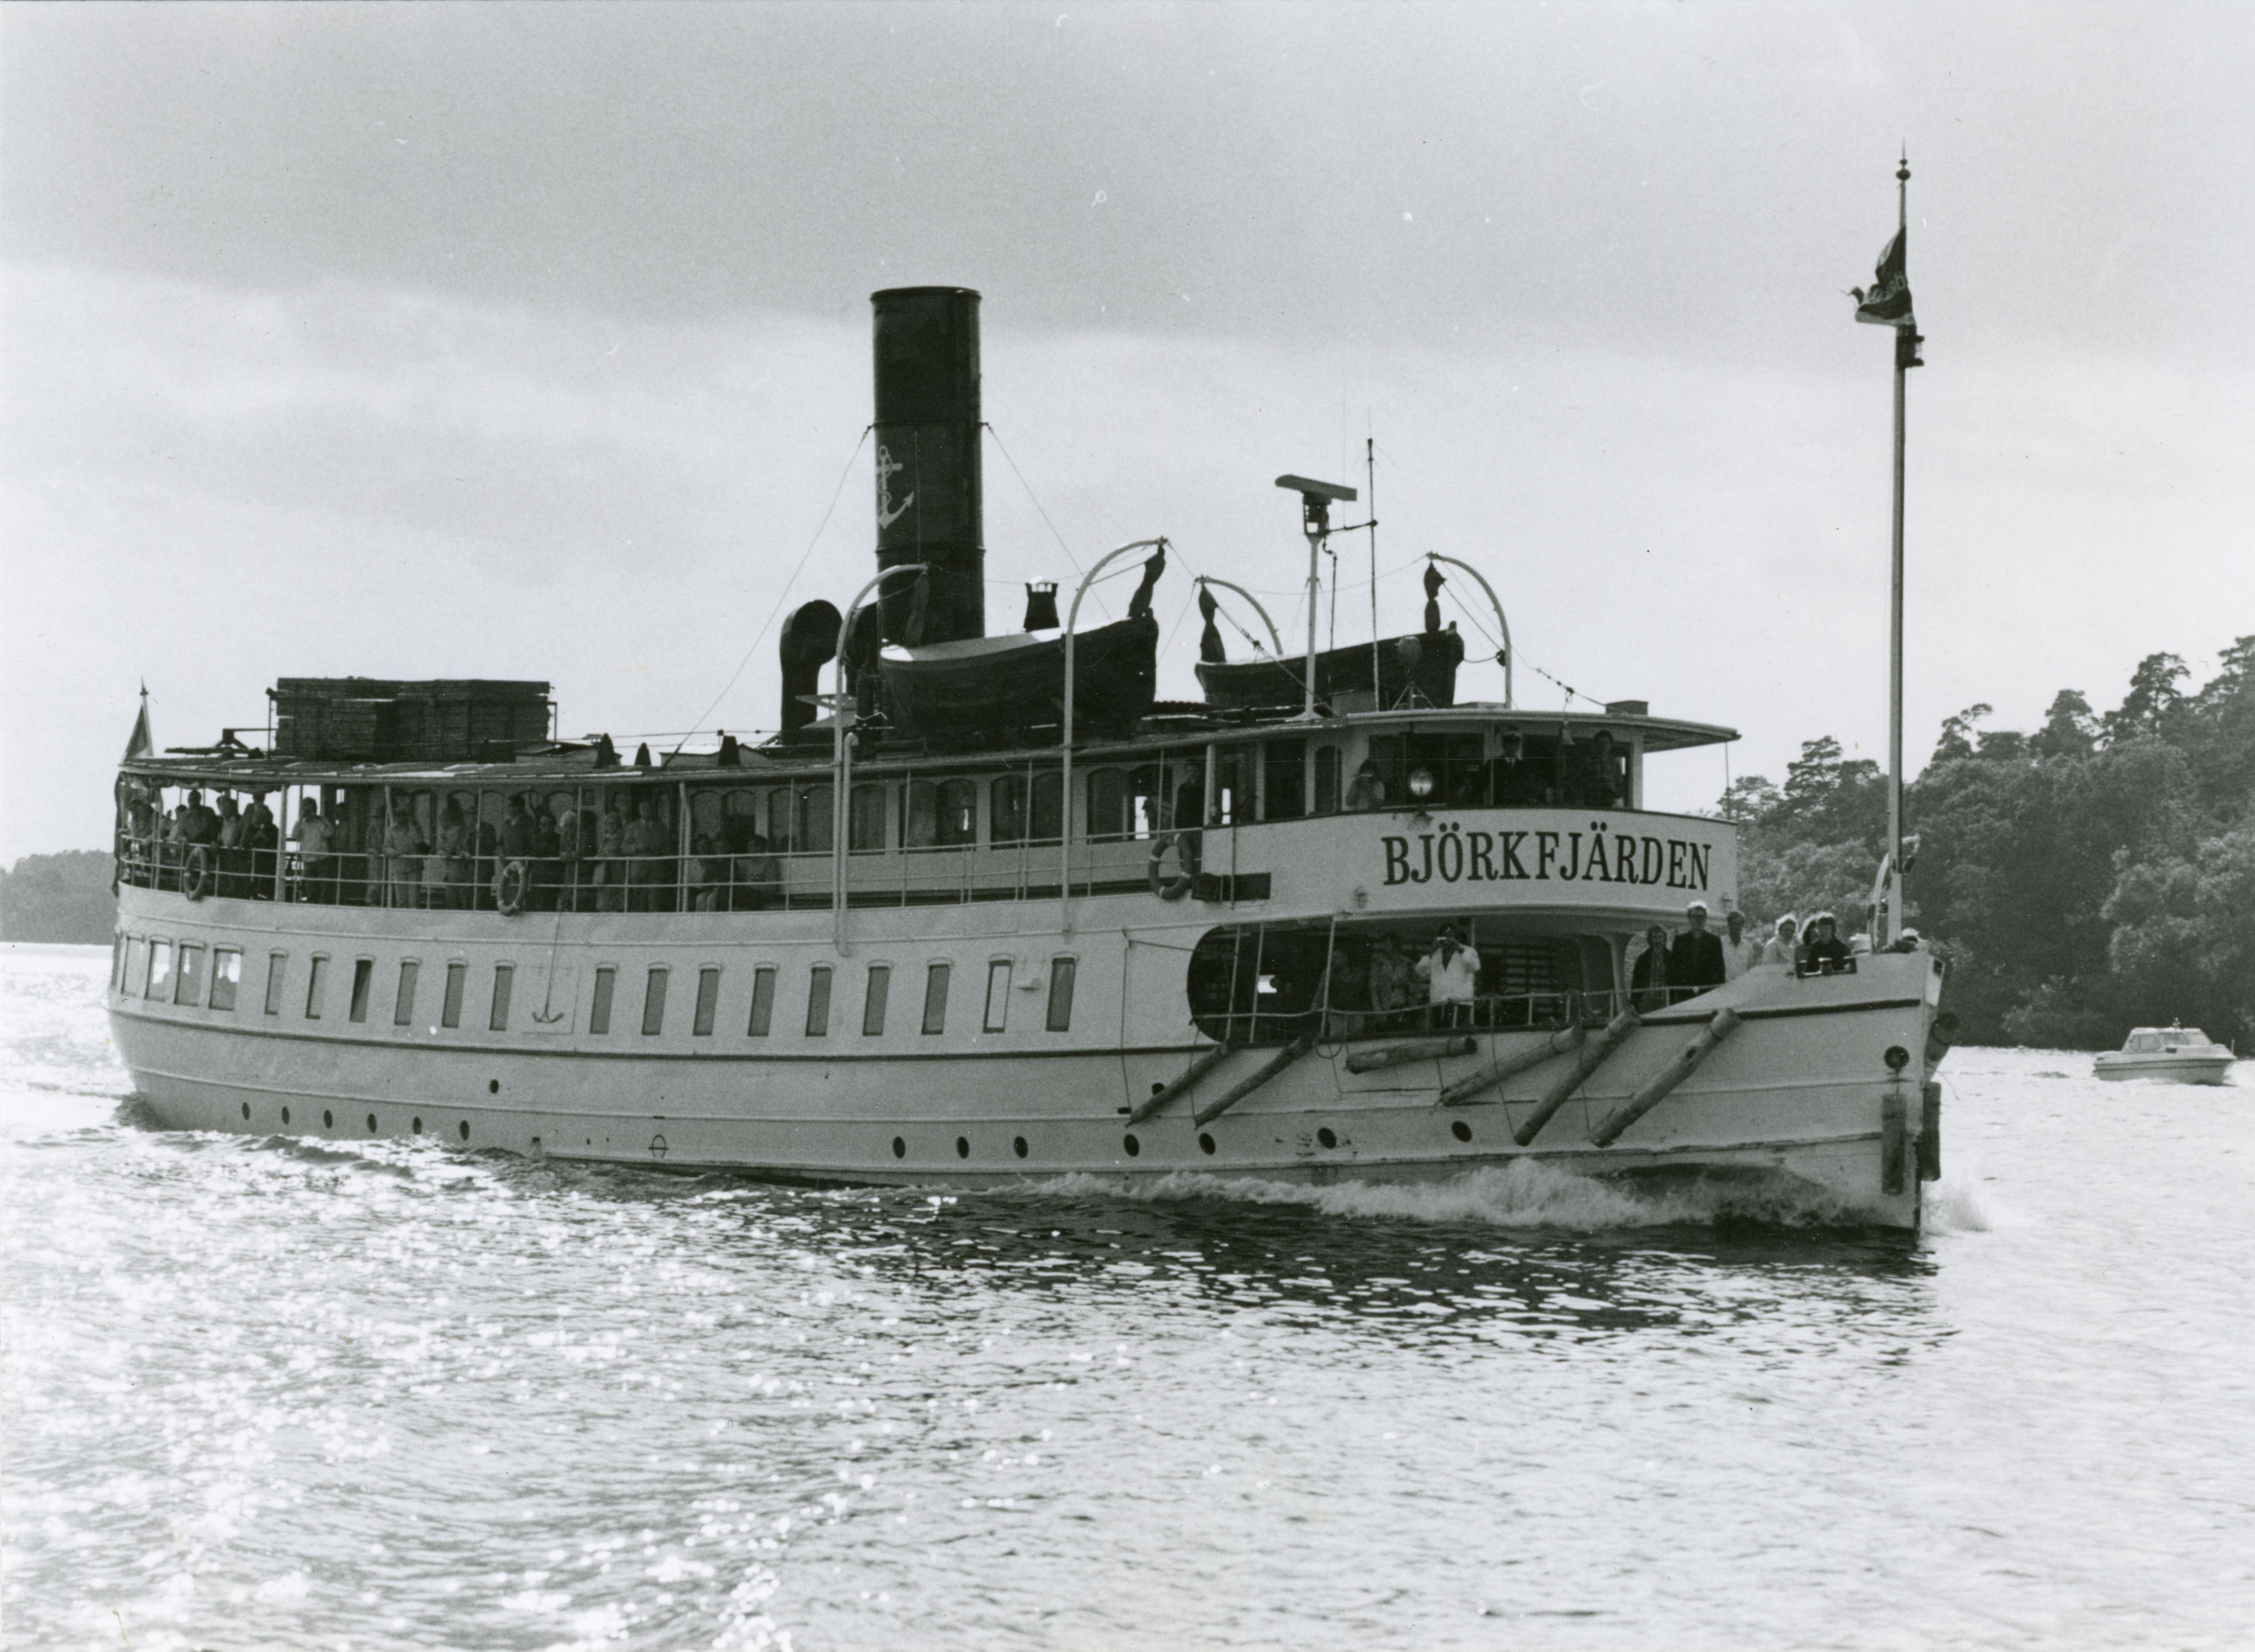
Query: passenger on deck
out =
(263, 839)
(1390, 977)
(1779, 948)
(1366, 792)
(610, 845)
(569, 869)
(446, 872)
(708, 874)
(547, 859)
(402, 854)
(1451, 971)
(234, 853)
(1825, 948)
(1741, 951)
(645, 843)
(1648, 981)
(757, 876)
(317, 868)
(198, 823)
(1695, 961)
(1343, 996)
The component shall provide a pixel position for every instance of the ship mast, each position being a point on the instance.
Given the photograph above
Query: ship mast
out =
(1888, 927)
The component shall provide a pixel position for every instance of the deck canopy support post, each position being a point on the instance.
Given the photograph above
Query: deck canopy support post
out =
(1064, 734)
(841, 762)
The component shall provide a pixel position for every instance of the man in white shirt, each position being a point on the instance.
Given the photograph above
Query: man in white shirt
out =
(1451, 973)
(1740, 951)
(1780, 948)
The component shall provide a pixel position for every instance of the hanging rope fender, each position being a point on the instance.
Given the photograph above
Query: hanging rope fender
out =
(1167, 888)
(195, 876)
(510, 885)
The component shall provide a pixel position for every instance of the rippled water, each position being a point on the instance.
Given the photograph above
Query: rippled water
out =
(261, 1393)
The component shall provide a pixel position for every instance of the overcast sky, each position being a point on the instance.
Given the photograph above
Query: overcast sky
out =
(533, 340)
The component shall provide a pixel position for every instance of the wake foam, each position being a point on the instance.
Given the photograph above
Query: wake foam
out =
(1523, 1194)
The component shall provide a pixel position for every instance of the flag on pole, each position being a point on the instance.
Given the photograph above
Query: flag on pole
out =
(1886, 301)
(141, 743)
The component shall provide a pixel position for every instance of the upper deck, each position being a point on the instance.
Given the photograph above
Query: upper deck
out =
(1472, 804)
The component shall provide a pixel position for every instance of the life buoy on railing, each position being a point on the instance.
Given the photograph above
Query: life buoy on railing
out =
(510, 886)
(195, 875)
(1166, 888)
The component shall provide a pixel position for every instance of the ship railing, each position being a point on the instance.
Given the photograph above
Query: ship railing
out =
(1486, 1013)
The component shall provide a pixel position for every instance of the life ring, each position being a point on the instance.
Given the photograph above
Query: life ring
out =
(510, 886)
(1169, 888)
(195, 874)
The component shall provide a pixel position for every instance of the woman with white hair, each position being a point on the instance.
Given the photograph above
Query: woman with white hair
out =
(1779, 948)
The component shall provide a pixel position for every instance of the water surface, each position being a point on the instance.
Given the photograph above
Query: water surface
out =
(267, 1393)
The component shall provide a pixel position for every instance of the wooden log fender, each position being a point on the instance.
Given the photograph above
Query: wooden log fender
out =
(1725, 1022)
(1929, 1132)
(1593, 1057)
(1199, 1068)
(1243, 1087)
(1396, 1055)
(1895, 1136)
(1487, 1078)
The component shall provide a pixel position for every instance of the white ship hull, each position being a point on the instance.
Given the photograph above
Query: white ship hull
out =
(2174, 1069)
(1801, 1095)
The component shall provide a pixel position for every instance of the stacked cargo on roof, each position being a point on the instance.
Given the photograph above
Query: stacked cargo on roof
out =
(373, 720)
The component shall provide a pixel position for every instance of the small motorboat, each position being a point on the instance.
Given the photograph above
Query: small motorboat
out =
(2170, 1055)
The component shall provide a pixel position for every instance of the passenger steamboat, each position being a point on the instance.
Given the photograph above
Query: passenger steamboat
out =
(990, 911)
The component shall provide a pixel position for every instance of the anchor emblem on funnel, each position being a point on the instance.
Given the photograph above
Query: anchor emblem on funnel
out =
(888, 512)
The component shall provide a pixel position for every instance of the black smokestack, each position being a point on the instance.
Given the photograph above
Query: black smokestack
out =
(931, 507)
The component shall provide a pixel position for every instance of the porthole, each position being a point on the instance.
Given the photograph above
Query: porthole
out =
(372, 1124)
(328, 1119)
(1326, 1136)
(1133, 1146)
(465, 1129)
(1157, 1085)
(285, 1115)
(417, 1126)
(246, 1109)
(1018, 1145)
(900, 1149)
(963, 1147)
(1462, 1131)
(1205, 1142)
(492, 1087)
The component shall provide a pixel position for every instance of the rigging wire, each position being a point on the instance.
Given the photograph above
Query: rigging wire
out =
(784, 596)
(1036, 504)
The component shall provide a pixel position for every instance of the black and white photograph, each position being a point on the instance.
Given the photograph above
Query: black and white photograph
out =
(900, 824)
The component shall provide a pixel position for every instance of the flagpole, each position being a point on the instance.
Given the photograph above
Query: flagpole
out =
(1893, 919)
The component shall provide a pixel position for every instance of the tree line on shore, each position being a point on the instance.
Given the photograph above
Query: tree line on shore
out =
(2094, 875)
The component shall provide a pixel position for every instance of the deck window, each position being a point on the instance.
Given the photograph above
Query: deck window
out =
(117, 963)
(708, 1001)
(161, 971)
(762, 1016)
(998, 995)
(363, 972)
(873, 1001)
(458, 978)
(1006, 810)
(653, 1002)
(190, 989)
(935, 998)
(1327, 780)
(1283, 779)
(227, 975)
(277, 971)
(317, 986)
(1062, 971)
(599, 1014)
(403, 1002)
(504, 981)
(137, 964)
(1049, 806)
(865, 822)
(818, 1002)
(810, 820)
